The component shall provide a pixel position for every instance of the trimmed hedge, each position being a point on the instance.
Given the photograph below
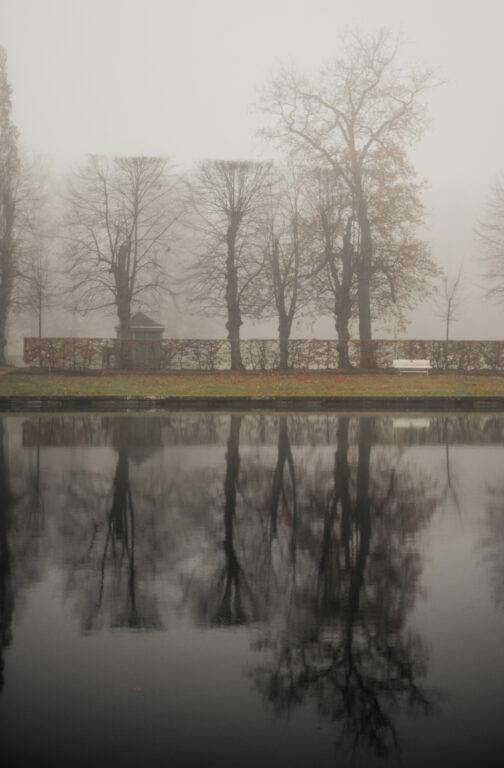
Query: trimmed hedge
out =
(257, 354)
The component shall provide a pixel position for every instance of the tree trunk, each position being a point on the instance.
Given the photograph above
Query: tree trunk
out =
(125, 351)
(233, 325)
(343, 339)
(277, 485)
(342, 486)
(367, 359)
(6, 271)
(119, 509)
(124, 315)
(231, 610)
(123, 307)
(362, 516)
(283, 337)
(447, 337)
(40, 316)
(234, 320)
(40, 330)
(343, 297)
(328, 574)
(3, 328)
(285, 316)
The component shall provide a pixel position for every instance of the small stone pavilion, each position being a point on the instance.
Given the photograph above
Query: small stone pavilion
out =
(143, 328)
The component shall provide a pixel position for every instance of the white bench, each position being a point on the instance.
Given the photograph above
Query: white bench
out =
(412, 366)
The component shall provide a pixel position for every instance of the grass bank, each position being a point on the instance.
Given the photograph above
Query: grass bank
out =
(253, 385)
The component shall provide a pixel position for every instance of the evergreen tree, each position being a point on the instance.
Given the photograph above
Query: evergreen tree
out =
(9, 175)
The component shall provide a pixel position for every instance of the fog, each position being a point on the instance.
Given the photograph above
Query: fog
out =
(180, 79)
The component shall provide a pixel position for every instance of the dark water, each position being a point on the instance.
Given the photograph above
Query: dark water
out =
(229, 590)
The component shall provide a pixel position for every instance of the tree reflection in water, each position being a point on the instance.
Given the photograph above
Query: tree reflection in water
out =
(6, 591)
(21, 526)
(492, 542)
(342, 643)
(221, 593)
(326, 557)
(110, 554)
(237, 602)
(322, 552)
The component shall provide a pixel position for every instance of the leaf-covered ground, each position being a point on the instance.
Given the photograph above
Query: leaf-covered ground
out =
(256, 385)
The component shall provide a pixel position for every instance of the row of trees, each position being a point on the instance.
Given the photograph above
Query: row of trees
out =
(338, 222)
(332, 228)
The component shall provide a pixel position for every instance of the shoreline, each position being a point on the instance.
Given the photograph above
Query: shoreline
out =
(69, 403)
(304, 391)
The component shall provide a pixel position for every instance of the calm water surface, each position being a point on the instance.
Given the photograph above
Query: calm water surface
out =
(302, 590)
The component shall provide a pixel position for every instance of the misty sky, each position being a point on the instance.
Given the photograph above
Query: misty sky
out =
(180, 79)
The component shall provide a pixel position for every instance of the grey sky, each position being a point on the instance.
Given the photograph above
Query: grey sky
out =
(179, 78)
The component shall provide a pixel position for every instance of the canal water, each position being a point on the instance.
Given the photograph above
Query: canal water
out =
(235, 590)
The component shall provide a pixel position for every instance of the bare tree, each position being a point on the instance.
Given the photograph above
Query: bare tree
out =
(490, 234)
(36, 289)
(39, 295)
(334, 253)
(355, 118)
(287, 253)
(228, 198)
(402, 272)
(448, 304)
(9, 183)
(121, 214)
